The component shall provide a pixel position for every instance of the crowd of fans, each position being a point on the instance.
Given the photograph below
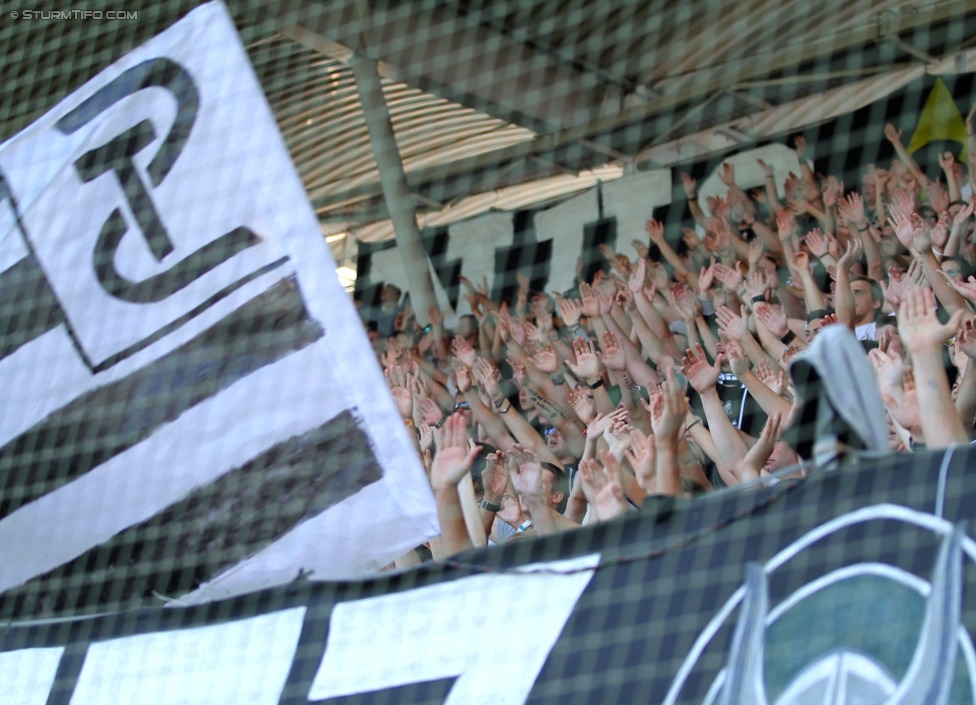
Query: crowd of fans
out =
(553, 411)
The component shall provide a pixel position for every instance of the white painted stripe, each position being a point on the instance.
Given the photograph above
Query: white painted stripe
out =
(244, 662)
(452, 629)
(272, 404)
(26, 676)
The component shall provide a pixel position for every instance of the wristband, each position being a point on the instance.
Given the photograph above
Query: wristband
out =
(440, 423)
(864, 229)
(757, 299)
(507, 407)
(692, 425)
(489, 507)
(408, 422)
(788, 337)
(558, 379)
(597, 384)
(498, 402)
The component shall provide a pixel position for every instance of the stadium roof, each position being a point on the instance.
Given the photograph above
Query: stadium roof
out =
(503, 104)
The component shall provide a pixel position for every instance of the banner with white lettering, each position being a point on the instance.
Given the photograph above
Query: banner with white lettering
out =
(854, 585)
(182, 370)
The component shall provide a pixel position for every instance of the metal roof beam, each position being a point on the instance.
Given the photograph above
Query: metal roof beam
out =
(453, 56)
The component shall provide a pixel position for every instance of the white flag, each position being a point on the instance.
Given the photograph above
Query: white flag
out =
(178, 352)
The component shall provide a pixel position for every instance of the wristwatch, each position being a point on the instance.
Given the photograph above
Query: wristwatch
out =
(490, 507)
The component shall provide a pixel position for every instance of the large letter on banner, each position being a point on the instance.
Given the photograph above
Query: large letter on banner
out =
(438, 632)
(173, 329)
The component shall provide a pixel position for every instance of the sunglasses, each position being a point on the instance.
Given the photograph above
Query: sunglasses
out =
(461, 405)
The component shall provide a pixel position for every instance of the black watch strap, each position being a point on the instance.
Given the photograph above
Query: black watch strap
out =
(490, 507)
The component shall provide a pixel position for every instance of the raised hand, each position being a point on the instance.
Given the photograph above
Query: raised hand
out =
(602, 487)
(658, 275)
(773, 319)
(689, 184)
(851, 209)
(752, 464)
(940, 232)
(727, 175)
(734, 326)
(686, 302)
(735, 355)
(655, 230)
(426, 437)
(587, 365)
(488, 377)
(905, 410)
(966, 338)
(494, 478)
(730, 277)
(430, 413)
(918, 325)
(706, 278)
(889, 369)
(800, 144)
(893, 134)
(518, 370)
(800, 263)
(767, 168)
(589, 301)
(785, 224)
(757, 284)
(641, 457)
(601, 422)
(526, 473)
(700, 375)
(516, 329)
(400, 382)
(965, 289)
(668, 410)
(792, 351)
(546, 360)
(638, 277)
(462, 374)
(454, 456)
(463, 351)
(582, 404)
(817, 242)
(617, 438)
(570, 311)
(614, 357)
(902, 202)
(855, 248)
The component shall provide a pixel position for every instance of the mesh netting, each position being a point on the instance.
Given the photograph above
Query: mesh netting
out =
(697, 278)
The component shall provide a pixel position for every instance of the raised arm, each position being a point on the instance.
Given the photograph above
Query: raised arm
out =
(894, 136)
(452, 461)
(924, 337)
(702, 377)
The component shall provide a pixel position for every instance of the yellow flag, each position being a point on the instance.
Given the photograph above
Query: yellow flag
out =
(940, 120)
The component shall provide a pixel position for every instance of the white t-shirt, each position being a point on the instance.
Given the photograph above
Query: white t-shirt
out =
(869, 331)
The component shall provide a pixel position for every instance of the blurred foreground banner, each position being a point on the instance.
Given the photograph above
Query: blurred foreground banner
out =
(191, 404)
(856, 585)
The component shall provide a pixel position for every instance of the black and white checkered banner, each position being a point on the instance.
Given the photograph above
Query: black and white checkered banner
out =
(856, 585)
(177, 357)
